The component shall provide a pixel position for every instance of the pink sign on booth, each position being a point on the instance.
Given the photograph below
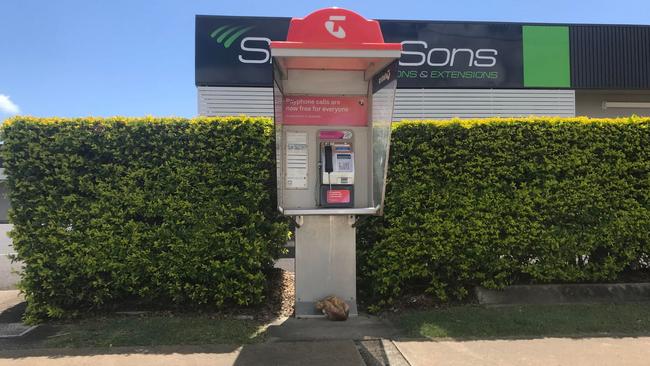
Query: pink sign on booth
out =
(338, 196)
(325, 110)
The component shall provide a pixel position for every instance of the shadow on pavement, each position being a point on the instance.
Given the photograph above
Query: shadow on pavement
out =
(361, 340)
(161, 350)
(318, 329)
(13, 314)
(326, 353)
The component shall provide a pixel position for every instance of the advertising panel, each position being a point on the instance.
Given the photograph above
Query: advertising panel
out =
(325, 110)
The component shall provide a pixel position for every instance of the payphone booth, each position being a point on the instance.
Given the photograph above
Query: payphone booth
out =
(334, 88)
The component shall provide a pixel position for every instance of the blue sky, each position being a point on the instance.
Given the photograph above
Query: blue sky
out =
(133, 58)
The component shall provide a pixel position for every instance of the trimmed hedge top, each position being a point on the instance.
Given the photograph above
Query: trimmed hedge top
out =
(642, 122)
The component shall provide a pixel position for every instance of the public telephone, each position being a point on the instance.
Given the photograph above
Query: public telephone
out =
(334, 81)
(337, 173)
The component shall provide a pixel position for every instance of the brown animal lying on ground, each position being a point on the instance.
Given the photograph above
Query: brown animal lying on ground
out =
(334, 308)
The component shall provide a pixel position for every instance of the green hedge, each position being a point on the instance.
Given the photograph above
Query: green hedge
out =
(161, 212)
(497, 201)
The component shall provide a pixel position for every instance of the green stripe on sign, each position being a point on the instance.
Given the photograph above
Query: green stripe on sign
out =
(546, 56)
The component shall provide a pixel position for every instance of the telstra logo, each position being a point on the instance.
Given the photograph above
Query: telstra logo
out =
(339, 32)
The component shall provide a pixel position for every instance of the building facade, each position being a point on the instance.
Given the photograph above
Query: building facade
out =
(450, 69)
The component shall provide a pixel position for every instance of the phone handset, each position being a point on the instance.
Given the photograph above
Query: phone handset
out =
(329, 164)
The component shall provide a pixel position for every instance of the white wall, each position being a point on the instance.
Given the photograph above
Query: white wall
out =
(409, 103)
(8, 279)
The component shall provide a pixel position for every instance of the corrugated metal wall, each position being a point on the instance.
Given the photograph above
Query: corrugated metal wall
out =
(233, 101)
(409, 103)
(475, 103)
(610, 57)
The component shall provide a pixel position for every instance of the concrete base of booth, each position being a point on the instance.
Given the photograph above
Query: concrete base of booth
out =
(325, 262)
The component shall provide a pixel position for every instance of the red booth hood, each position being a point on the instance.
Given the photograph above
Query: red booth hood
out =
(348, 41)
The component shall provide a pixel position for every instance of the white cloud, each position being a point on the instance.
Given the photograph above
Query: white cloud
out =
(7, 106)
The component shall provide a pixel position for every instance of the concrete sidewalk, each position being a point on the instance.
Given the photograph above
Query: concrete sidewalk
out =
(530, 352)
(547, 351)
